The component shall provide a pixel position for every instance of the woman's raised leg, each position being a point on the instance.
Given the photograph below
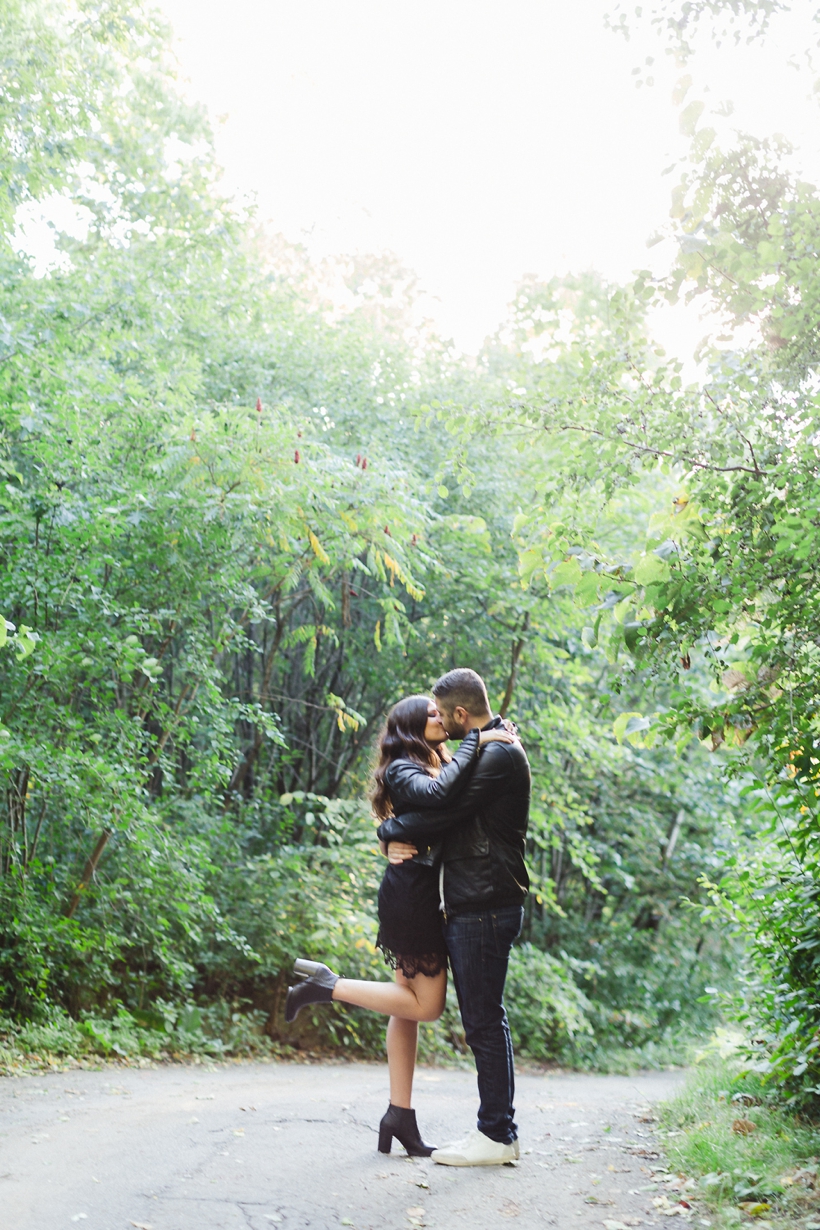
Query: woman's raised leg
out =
(414, 999)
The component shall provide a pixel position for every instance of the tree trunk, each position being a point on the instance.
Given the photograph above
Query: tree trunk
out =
(88, 872)
(17, 791)
(515, 655)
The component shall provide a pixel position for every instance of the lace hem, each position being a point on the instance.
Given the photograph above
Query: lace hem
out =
(430, 964)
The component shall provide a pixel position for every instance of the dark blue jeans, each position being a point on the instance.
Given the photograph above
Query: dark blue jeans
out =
(479, 947)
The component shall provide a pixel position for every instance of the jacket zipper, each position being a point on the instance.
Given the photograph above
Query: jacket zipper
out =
(442, 906)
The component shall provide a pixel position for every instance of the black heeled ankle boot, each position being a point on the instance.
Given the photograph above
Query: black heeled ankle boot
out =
(316, 989)
(401, 1123)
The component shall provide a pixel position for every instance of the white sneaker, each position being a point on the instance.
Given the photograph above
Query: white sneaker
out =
(476, 1149)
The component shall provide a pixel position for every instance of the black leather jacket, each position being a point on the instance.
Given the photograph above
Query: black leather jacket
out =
(411, 787)
(482, 832)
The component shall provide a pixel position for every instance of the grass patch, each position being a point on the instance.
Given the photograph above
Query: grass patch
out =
(745, 1157)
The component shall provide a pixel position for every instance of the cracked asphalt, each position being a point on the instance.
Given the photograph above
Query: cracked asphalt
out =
(254, 1145)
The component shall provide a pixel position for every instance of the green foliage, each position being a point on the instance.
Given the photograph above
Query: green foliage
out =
(224, 552)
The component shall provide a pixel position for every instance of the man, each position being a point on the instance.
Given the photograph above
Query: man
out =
(483, 885)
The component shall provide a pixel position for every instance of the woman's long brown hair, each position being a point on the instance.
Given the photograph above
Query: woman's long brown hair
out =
(402, 737)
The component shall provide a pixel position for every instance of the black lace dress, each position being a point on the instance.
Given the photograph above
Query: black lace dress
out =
(410, 928)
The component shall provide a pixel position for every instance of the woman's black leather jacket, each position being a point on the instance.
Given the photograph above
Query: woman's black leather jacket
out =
(411, 787)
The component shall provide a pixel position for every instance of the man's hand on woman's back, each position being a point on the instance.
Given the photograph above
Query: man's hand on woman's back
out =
(398, 852)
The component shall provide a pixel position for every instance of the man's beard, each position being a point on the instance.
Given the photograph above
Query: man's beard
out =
(454, 731)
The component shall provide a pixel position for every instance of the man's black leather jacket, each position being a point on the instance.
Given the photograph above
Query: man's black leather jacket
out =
(482, 832)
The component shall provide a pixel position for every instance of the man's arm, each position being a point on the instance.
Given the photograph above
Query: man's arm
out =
(492, 774)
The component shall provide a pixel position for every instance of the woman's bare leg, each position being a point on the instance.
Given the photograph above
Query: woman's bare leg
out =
(402, 1043)
(414, 999)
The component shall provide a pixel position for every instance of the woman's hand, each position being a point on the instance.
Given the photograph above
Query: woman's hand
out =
(495, 736)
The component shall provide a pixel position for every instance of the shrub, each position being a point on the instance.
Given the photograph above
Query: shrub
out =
(547, 1010)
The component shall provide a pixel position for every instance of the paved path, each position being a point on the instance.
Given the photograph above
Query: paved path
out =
(252, 1146)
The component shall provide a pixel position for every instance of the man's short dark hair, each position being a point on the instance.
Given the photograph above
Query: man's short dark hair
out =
(464, 688)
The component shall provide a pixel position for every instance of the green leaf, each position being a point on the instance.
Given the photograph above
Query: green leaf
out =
(651, 568)
(528, 562)
(689, 117)
(566, 573)
(586, 590)
(26, 642)
(629, 725)
(632, 630)
(620, 609)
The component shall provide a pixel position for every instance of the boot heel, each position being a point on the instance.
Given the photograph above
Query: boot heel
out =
(306, 969)
(385, 1139)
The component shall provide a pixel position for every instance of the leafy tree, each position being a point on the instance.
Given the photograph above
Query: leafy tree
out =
(715, 611)
(225, 550)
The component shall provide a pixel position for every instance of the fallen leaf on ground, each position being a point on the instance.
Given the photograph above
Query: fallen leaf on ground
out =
(415, 1212)
(610, 1224)
(743, 1127)
(745, 1099)
(754, 1208)
(666, 1209)
(807, 1176)
(142, 1225)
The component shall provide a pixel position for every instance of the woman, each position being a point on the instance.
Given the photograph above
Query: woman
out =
(414, 771)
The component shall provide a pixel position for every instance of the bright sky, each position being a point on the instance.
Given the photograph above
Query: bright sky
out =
(479, 140)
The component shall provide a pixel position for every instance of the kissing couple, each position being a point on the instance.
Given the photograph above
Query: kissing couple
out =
(453, 829)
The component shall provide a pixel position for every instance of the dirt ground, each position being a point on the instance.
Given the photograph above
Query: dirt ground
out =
(251, 1146)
